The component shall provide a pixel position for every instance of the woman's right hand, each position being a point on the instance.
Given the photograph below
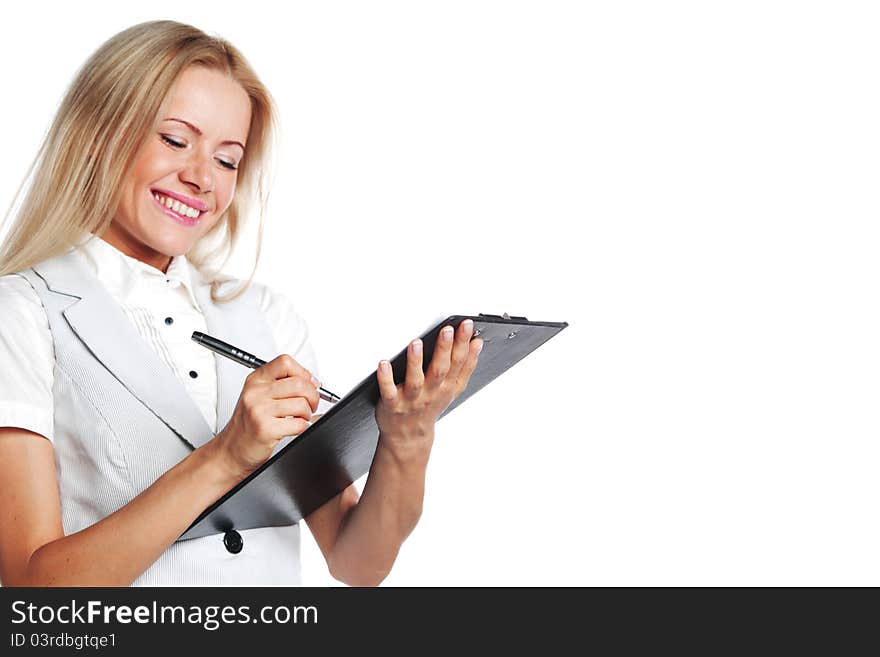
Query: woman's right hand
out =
(277, 400)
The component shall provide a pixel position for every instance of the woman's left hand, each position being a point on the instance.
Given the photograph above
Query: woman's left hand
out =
(406, 413)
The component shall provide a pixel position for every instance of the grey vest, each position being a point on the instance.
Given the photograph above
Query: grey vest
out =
(122, 418)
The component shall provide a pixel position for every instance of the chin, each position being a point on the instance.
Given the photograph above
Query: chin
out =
(171, 246)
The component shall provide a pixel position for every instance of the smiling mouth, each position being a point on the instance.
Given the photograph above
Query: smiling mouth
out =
(183, 211)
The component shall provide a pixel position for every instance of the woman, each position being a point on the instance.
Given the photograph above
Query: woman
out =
(115, 429)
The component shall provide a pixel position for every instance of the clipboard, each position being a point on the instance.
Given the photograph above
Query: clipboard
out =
(338, 448)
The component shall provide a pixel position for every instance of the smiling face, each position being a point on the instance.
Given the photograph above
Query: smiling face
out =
(183, 178)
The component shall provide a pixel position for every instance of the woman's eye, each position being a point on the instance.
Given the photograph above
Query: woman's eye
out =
(172, 142)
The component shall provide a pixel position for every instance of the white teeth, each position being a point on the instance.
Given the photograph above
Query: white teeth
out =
(177, 206)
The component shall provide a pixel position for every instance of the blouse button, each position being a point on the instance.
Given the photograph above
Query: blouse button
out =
(193, 374)
(233, 542)
(169, 321)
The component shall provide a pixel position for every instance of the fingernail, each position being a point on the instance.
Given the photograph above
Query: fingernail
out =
(480, 346)
(468, 325)
(447, 333)
(417, 347)
(316, 383)
(385, 365)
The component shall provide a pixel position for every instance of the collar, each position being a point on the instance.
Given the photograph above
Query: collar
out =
(122, 275)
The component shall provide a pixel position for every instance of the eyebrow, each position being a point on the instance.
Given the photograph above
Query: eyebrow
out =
(199, 132)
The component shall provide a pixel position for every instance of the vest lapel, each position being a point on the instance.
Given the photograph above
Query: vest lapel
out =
(98, 320)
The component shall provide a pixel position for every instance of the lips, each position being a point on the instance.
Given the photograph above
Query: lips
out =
(194, 203)
(177, 211)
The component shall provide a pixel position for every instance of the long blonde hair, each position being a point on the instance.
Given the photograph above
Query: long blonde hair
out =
(73, 185)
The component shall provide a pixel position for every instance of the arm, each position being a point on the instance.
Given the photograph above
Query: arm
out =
(361, 547)
(276, 401)
(38, 553)
(360, 538)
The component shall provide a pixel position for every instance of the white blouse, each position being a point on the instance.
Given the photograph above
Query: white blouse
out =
(165, 313)
(163, 309)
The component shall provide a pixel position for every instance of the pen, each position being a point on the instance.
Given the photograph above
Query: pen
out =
(243, 357)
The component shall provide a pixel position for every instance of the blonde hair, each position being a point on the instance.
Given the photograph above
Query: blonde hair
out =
(104, 118)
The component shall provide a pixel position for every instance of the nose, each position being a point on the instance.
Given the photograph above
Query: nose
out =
(197, 172)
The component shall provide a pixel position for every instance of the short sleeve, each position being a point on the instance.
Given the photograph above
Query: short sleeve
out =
(27, 359)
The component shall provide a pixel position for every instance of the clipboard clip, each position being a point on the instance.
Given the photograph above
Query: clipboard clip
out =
(510, 335)
(504, 316)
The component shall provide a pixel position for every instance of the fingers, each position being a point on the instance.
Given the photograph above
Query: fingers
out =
(454, 360)
(461, 347)
(295, 386)
(450, 354)
(295, 407)
(280, 367)
(290, 426)
(440, 362)
(415, 377)
(386, 382)
(470, 364)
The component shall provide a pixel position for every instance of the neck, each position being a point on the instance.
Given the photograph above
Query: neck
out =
(135, 249)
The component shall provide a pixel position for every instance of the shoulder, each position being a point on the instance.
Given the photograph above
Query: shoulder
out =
(289, 328)
(258, 294)
(281, 313)
(271, 300)
(275, 305)
(287, 324)
(25, 325)
(18, 298)
(27, 358)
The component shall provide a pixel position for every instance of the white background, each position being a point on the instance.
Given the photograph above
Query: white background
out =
(692, 186)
